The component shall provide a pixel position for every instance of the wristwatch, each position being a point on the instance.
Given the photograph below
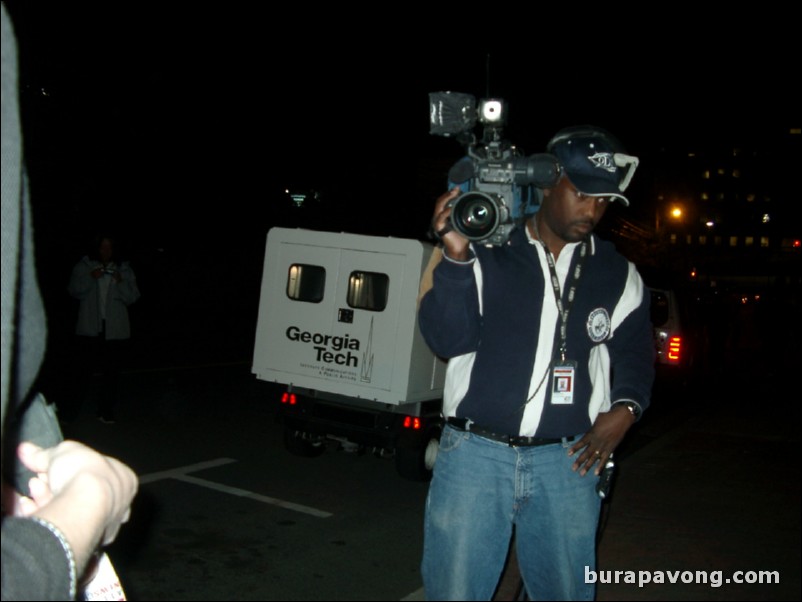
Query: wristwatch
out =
(633, 408)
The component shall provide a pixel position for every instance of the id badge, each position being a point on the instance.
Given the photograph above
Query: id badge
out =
(562, 382)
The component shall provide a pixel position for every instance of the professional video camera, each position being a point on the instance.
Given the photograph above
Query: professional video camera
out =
(500, 187)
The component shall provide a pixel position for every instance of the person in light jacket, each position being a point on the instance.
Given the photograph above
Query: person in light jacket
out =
(105, 288)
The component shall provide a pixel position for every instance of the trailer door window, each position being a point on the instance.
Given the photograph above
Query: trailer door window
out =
(306, 282)
(368, 290)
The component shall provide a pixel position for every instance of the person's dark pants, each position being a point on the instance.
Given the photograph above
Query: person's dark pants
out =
(101, 358)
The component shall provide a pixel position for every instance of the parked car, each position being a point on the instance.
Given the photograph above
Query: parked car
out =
(669, 342)
(673, 353)
(678, 335)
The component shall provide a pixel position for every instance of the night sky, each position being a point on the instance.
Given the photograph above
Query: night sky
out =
(179, 128)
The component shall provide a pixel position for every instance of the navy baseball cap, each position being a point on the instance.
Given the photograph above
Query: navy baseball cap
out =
(594, 161)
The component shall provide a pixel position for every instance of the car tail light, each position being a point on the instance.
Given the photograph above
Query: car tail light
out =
(412, 422)
(674, 344)
(289, 398)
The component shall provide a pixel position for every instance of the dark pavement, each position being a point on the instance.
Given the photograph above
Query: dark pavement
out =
(707, 493)
(719, 494)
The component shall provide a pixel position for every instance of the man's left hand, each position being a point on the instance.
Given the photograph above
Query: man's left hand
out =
(601, 440)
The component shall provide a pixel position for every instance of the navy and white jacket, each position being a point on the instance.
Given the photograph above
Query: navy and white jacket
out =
(496, 320)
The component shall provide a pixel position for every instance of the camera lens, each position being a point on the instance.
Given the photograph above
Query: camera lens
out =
(475, 215)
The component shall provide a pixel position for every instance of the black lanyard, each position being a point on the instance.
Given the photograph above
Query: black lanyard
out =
(555, 283)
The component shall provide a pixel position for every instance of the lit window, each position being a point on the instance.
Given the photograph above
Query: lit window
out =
(749, 241)
(703, 240)
(705, 196)
(764, 241)
(368, 290)
(673, 239)
(733, 241)
(717, 241)
(736, 173)
(306, 282)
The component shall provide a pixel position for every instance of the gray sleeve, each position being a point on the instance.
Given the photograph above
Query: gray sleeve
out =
(37, 562)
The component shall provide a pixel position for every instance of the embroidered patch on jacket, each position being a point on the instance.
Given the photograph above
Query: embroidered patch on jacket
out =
(599, 325)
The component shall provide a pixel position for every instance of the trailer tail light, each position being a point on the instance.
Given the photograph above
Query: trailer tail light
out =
(412, 422)
(289, 398)
(674, 349)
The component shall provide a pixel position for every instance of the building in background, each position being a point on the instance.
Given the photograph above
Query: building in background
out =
(725, 212)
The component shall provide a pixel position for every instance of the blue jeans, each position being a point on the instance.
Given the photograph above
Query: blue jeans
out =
(480, 489)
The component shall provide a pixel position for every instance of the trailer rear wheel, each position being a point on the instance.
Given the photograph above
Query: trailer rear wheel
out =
(303, 444)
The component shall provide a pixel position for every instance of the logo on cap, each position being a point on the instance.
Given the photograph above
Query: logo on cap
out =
(603, 161)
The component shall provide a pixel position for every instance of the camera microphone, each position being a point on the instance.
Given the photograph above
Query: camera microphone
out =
(542, 170)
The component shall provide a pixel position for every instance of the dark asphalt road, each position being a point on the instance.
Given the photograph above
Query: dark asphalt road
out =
(708, 485)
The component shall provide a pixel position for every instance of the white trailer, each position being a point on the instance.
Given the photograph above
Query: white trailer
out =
(338, 326)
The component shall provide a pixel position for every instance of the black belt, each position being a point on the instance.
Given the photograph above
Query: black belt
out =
(463, 424)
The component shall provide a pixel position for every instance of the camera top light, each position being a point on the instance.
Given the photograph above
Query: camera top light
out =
(493, 110)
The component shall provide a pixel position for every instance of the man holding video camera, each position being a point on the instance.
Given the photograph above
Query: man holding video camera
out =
(551, 360)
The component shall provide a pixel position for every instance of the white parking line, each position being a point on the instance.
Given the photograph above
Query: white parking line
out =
(181, 474)
(255, 496)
